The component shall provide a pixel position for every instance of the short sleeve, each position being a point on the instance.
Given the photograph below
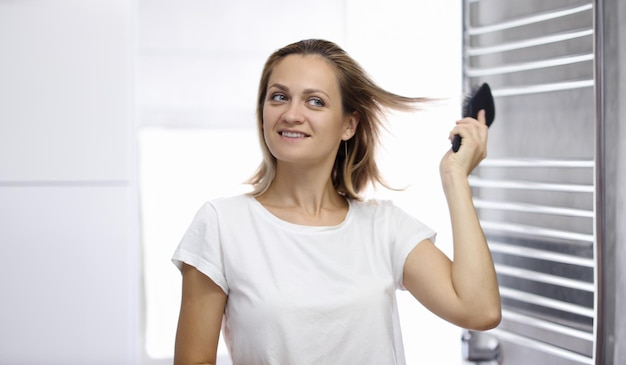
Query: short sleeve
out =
(408, 233)
(201, 246)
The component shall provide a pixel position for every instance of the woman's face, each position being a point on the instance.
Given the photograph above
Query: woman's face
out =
(303, 119)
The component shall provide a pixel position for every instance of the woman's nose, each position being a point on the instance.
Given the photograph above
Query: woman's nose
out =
(294, 113)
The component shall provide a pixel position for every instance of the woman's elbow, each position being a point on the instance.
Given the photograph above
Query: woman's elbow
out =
(486, 320)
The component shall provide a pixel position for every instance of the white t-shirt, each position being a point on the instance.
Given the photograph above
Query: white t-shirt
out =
(305, 294)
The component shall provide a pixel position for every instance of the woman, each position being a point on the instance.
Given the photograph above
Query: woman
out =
(302, 270)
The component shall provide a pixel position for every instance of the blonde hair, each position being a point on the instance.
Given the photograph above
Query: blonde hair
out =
(357, 168)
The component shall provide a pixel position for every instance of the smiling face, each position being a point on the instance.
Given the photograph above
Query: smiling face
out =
(303, 118)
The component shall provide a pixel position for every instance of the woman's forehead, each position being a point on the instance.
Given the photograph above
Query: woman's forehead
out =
(305, 71)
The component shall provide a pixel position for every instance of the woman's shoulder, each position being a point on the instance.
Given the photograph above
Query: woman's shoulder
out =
(372, 206)
(372, 203)
(229, 202)
(225, 204)
(379, 208)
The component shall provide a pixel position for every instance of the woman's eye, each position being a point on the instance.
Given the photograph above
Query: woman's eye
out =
(278, 97)
(316, 102)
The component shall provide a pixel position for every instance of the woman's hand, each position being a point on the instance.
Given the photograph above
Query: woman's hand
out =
(473, 147)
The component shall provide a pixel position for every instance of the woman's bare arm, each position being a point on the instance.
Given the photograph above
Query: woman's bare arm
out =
(463, 291)
(200, 320)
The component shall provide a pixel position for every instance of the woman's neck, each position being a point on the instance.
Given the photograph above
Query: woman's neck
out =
(304, 197)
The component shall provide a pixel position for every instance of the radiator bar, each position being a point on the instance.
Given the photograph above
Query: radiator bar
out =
(546, 302)
(534, 253)
(542, 88)
(541, 346)
(526, 230)
(527, 43)
(503, 162)
(532, 208)
(528, 66)
(544, 278)
(528, 185)
(546, 325)
(527, 20)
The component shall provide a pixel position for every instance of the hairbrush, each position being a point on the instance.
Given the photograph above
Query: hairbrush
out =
(479, 99)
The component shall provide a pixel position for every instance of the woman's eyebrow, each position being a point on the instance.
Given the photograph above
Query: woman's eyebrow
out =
(278, 86)
(305, 92)
(315, 91)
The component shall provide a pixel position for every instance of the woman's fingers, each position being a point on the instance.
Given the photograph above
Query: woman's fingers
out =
(469, 126)
(473, 144)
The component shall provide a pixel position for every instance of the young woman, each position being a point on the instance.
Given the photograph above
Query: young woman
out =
(302, 270)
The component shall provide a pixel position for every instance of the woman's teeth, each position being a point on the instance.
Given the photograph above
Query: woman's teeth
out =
(293, 135)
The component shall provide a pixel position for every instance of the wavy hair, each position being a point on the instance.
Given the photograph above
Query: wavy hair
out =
(355, 165)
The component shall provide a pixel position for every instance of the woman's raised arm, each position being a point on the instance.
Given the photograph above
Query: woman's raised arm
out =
(465, 290)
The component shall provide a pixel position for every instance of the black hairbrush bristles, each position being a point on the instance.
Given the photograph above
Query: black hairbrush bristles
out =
(479, 99)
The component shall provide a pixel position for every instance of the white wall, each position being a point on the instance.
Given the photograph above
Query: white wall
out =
(68, 218)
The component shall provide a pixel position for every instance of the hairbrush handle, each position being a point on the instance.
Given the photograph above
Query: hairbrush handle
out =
(456, 143)
(479, 99)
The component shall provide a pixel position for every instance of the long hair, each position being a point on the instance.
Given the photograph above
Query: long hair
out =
(355, 165)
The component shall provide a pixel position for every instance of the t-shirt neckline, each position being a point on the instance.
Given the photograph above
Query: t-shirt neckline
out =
(265, 213)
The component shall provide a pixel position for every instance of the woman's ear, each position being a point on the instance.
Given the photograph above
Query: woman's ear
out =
(351, 125)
